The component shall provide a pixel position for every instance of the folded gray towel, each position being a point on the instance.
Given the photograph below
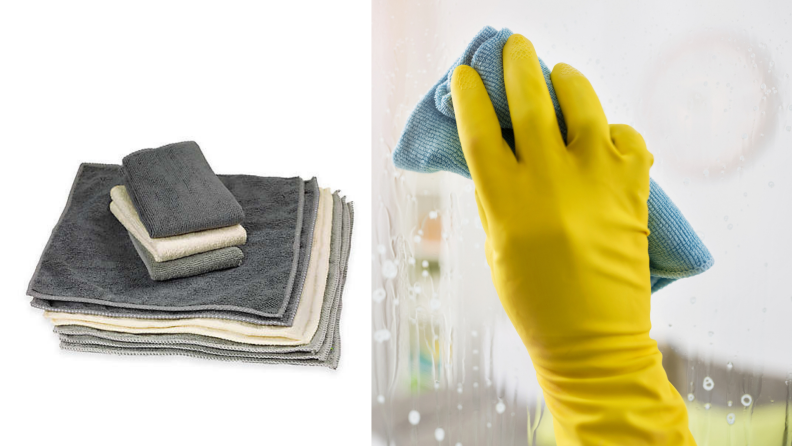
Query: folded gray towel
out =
(85, 261)
(310, 209)
(205, 262)
(176, 192)
(324, 348)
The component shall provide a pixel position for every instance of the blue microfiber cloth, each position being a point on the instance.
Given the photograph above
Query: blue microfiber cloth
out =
(430, 143)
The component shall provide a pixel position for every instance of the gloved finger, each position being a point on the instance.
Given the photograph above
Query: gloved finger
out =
(487, 156)
(629, 142)
(582, 109)
(531, 109)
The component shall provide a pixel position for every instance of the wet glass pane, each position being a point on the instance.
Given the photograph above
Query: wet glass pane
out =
(708, 86)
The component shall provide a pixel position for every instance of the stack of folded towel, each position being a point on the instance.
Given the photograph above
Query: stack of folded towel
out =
(151, 258)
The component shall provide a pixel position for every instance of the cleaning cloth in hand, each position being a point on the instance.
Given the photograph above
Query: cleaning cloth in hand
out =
(173, 247)
(205, 262)
(176, 192)
(430, 143)
(87, 261)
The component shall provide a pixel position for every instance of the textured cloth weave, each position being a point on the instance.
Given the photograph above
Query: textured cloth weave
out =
(205, 262)
(430, 143)
(176, 246)
(176, 192)
(85, 261)
(326, 246)
(310, 210)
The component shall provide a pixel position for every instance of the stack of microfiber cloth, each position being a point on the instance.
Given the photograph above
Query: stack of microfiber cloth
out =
(430, 143)
(161, 256)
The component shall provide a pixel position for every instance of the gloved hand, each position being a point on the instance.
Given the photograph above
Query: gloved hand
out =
(567, 246)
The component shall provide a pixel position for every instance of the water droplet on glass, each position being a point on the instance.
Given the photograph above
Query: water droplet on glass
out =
(692, 300)
(434, 304)
(789, 128)
(691, 397)
(771, 184)
(389, 269)
(459, 407)
(729, 366)
(764, 310)
(711, 334)
(706, 172)
(433, 215)
(425, 264)
(458, 444)
(744, 136)
(381, 248)
(730, 418)
(500, 407)
(729, 403)
(708, 383)
(707, 406)
(726, 218)
(475, 385)
(763, 86)
(730, 226)
(417, 239)
(439, 434)
(414, 417)
(746, 400)
(381, 399)
(378, 295)
(411, 260)
(382, 335)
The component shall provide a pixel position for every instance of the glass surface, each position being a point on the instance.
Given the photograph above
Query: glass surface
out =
(708, 86)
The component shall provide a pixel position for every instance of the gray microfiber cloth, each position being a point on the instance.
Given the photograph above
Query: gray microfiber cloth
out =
(85, 260)
(205, 262)
(176, 192)
(310, 209)
(323, 349)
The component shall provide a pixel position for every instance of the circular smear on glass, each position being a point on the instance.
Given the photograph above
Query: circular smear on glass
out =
(703, 105)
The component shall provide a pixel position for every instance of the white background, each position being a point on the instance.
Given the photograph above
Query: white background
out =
(267, 88)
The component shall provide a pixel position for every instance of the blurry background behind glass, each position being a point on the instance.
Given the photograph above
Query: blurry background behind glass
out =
(708, 86)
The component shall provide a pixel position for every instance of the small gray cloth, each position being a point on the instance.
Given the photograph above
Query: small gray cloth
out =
(85, 261)
(311, 207)
(323, 349)
(176, 192)
(204, 262)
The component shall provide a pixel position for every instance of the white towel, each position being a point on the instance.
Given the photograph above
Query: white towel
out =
(306, 319)
(177, 246)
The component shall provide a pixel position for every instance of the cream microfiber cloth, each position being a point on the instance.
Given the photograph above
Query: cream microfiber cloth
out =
(306, 319)
(175, 247)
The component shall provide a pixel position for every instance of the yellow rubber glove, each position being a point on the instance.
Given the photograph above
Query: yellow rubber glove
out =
(567, 247)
